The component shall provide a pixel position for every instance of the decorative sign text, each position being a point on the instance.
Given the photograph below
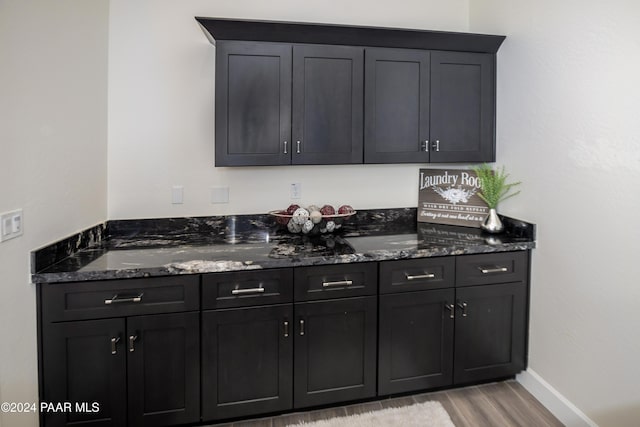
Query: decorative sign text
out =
(450, 197)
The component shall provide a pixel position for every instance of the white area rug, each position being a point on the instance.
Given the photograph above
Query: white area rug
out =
(427, 414)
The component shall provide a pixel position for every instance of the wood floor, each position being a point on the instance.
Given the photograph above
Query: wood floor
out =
(500, 404)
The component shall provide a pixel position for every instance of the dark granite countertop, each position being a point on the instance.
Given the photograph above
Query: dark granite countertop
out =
(162, 247)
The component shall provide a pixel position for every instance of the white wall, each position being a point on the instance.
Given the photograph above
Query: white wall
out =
(568, 127)
(161, 92)
(53, 146)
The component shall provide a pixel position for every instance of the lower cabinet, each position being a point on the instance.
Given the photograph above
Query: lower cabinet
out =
(335, 351)
(466, 332)
(141, 370)
(416, 341)
(490, 332)
(247, 358)
(193, 349)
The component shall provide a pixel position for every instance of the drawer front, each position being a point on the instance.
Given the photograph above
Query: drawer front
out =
(247, 288)
(335, 281)
(416, 274)
(116, 298)
(484, 269)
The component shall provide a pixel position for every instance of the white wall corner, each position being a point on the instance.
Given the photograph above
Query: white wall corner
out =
(553, 400)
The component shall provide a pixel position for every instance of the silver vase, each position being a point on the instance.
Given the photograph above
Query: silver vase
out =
(492, 223)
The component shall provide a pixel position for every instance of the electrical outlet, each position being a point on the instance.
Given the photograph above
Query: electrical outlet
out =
(296, 190)
(11, 225)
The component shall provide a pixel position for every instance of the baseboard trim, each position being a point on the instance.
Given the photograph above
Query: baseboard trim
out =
(553, 400)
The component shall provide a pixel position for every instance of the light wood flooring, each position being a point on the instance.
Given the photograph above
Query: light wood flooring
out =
(500, 404)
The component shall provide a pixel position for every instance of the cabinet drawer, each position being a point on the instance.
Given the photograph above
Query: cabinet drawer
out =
(416, 274)
(115, 298)
(335, 281)
(483, 269)
(246, 288)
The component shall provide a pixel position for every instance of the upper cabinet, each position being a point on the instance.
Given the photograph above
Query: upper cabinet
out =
(260, 122)
(253, 104)
(289, 93)
(462, 107)
(396, 100)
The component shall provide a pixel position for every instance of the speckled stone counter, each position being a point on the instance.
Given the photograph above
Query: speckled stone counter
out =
(160, 247)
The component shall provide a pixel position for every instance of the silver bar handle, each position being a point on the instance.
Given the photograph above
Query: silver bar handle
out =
(247, 291)
(301, 327)
(132, 339)
(117, 300)
(114, 342)
(452, 310)
(436, 145)
(337, 283)
(420, 276)
(424, 146)
(463, 306)
(286, 329)
(285, 147)
(298, 147)
(489, 270)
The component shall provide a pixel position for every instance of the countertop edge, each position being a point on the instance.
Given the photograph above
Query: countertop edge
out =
(204, 267)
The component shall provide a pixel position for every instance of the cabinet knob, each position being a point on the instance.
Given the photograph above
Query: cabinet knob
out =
(463, 306)
(285, 147)
(301, 327)
(114, 343)
(286, 328)
(452, 310)
(132, 339)
(297, 147)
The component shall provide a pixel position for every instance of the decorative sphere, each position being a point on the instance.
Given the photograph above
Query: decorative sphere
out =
(345, 209)
(292, 208)
(300, 216)
(307, 226)
(327, 210)
(313, 208)
(315, 217)
(293, 227)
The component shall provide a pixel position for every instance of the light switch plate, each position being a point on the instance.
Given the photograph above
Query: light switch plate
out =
(11, 225)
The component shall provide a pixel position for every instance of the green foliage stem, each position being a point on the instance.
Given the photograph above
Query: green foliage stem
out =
(493, 185)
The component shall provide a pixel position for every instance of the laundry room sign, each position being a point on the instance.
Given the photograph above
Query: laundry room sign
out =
(449, 196)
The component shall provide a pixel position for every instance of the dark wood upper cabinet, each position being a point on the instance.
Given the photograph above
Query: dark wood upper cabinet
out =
(253, 104)
(396, 99)
(462, 107)
(291, 93)
(327, 104)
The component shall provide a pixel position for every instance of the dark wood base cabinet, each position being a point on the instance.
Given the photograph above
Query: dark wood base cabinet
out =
(197, 349)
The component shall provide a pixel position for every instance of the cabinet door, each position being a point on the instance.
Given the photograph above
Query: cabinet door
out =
(335, 351)
(85, 363)
(247, 359)
(163, 369)
(327, 104)
(462, 107)
(490, 331)
(416, 341)
(396, 100)
(253, 103)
